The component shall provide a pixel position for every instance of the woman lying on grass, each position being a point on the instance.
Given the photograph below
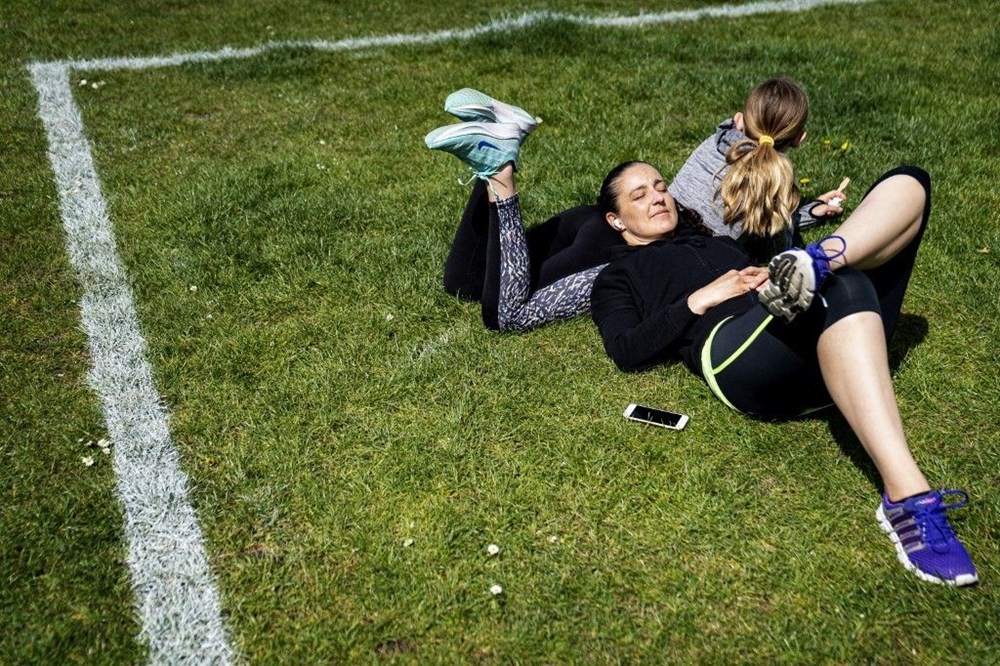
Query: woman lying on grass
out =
(769, 349)
(525, 279)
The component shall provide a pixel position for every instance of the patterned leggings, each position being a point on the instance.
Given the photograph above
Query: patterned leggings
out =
(526, 279)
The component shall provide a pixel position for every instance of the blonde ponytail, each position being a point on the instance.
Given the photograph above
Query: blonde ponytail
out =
(759, 191)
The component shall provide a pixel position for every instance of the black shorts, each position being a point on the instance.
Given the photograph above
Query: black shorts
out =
(762, 366)
(768, 368)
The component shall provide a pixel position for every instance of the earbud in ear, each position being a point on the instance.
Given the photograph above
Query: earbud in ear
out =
(618, 225)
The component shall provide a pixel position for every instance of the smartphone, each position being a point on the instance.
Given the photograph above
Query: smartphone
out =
(657, 417)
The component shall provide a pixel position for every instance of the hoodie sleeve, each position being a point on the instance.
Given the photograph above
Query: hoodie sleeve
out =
(633, 339)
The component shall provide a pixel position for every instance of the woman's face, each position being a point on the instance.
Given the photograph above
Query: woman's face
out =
(646, 211)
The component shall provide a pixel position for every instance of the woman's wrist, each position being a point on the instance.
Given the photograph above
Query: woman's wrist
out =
(696, 305)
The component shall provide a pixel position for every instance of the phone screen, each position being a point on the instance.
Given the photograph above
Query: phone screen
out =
(655, 416)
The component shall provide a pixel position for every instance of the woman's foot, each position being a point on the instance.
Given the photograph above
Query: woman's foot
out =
(924, 540)
(483, 147)
(471, 105)
(795, 277)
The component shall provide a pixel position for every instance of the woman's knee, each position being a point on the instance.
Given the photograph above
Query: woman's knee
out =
(848, 292)
(914, 172)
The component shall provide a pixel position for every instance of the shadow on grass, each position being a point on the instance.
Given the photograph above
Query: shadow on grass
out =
(910, 332)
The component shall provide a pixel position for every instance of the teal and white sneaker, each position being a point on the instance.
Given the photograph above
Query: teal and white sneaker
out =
(472, 105)
(484, 147)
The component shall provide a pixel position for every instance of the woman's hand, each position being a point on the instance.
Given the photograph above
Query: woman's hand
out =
(831, 206)
(726, 286)
(755, 277)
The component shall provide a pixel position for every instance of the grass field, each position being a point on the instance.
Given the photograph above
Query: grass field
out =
(353, 438)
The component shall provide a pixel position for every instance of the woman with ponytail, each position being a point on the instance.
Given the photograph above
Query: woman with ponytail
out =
(759, 190)
(741, 181)
(528, 277)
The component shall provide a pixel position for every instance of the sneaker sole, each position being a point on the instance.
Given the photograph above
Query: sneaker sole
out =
(472, 105)
(792, 287)
(959, 581)
(498, 131)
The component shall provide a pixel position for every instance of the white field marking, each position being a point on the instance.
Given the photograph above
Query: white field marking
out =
(176, 597)
(500, 25)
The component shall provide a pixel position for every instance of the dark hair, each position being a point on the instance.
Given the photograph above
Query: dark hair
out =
(607, 201)
(607, 198)
(691, 220)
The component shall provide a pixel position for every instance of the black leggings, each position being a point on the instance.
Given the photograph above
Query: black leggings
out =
(564, 245)
(770, 369)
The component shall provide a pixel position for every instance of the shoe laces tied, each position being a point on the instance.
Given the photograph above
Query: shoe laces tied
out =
(821, 258)
(933, 521)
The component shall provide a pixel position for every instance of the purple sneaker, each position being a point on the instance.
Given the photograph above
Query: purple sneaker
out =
(925, 543)
(796, 275)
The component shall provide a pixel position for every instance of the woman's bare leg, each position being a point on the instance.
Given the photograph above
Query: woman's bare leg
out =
(884, 223)
(855, 367)
(501, 185)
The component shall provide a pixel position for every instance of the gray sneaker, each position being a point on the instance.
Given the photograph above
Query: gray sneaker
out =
(796, 275)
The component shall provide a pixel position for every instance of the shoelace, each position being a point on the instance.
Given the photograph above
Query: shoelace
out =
(822, 259)
(933, 522)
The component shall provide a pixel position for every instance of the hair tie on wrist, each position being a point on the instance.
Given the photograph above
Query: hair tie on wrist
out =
(765, 140)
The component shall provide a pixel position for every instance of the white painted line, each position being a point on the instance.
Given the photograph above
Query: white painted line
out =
(425, 351)
(500, 25)
(176, 597)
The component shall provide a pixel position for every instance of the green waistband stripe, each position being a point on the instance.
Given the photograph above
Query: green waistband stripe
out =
(706, 357)
(706, 366)
(746, 343)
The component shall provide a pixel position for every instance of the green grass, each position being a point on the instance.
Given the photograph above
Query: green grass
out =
(330, 402)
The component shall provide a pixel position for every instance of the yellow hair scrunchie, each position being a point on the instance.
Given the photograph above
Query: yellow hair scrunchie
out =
(765, 140)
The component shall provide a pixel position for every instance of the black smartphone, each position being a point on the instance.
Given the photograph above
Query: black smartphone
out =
(657, 417)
